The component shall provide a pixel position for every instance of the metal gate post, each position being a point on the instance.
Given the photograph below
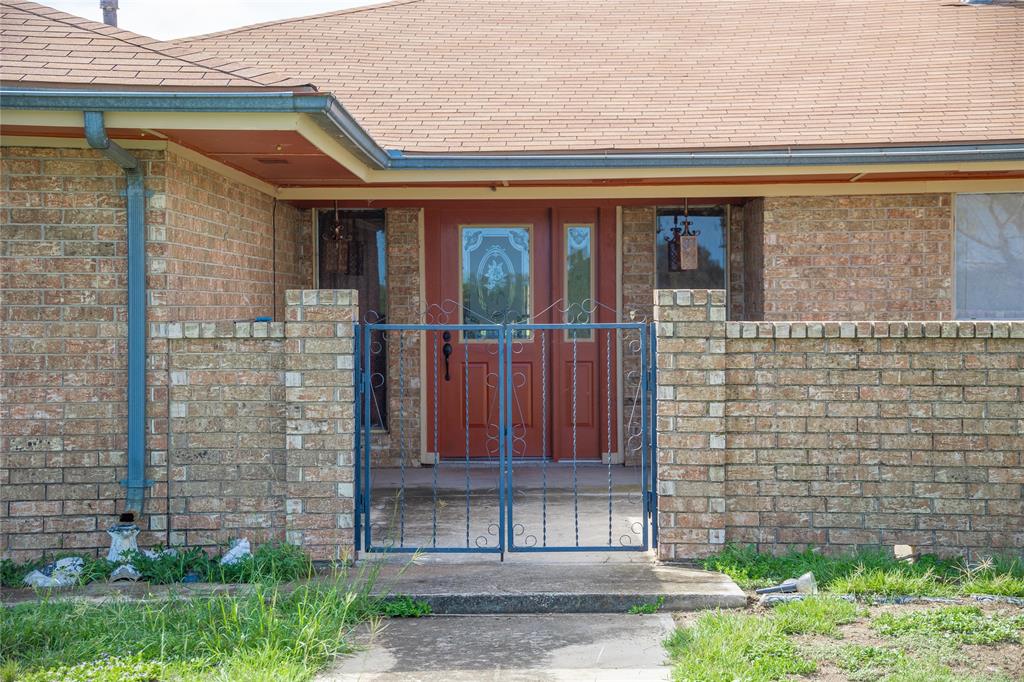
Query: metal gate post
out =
(503, 446)
(357, 453)
(653, 426)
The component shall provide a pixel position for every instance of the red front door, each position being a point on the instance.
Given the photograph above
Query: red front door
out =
(509, 264)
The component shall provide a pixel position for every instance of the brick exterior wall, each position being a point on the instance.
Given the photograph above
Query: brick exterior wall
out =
(225, 454)
(320, 403)
(63, 410)
(838, 434)
(260, 426)
(405, 306)
(63, 430)
(879, 257)
(226, 251)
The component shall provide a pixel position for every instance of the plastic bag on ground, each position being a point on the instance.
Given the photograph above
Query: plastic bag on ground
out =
(239, 550)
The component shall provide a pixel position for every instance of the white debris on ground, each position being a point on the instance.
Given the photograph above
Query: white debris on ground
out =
(125, 572)
(793, 589)
(60, 573)
(122, 539)
(239, 550)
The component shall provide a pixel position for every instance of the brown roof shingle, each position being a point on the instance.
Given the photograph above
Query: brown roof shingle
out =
(590, 75)
(41, 45)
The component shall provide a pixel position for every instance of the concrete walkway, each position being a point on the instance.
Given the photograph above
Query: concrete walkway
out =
(605, 648)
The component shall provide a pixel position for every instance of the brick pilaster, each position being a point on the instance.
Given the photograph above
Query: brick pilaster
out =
(691, 422)
(319, 395)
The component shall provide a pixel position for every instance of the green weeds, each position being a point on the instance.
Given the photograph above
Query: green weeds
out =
(721, 646)
(872, 572)
(266, 633)
(271, 562)
(818, 615)
(958, 624)
(404, 607)
(647, 607)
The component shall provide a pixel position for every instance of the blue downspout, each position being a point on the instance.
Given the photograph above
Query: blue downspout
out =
(135, 200)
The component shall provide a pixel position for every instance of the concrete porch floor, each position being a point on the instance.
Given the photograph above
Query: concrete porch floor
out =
(554, 505)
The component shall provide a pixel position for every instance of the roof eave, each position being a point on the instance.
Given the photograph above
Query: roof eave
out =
(334, 119)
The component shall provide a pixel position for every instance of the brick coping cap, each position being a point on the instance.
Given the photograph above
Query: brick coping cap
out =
(217, 330)
(875, 330)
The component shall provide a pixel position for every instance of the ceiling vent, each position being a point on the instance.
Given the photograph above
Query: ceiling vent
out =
(270, 161)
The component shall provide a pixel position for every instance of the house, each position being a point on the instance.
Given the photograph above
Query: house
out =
(819, 204)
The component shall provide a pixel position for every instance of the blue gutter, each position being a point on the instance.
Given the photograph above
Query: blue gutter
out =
(330, 115)
(135, 200)
(716, 159)
(325, 109)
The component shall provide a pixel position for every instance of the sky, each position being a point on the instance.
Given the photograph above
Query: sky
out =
(167, 19)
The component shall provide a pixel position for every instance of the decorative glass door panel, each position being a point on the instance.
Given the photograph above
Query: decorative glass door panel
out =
(496, 274)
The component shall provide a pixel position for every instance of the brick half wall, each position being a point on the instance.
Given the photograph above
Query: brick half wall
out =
(837, 434)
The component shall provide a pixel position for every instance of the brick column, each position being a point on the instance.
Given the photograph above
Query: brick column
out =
(691, 422)
(319, 395)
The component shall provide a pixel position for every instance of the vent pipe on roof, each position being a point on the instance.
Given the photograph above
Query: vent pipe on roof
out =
(109, 8)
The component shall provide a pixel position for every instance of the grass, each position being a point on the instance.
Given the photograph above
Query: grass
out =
(819, 616)
(865, 662)
(720, 646)
(959, 624)
(722, 643)
(647, 607)
(872, 572)
(268, 632)
(918, 646)
(278, 634)
(404, 607)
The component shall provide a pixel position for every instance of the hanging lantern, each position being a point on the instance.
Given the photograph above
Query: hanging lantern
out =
(682, 243)
(342, 232)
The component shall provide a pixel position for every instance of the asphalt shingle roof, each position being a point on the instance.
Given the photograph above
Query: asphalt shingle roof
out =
(550, 75)
(589, 75)
(41, 45)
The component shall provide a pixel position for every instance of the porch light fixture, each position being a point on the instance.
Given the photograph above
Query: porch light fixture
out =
(342, 232)
(682, 243)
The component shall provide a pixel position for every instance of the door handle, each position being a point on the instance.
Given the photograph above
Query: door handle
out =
(447, 350)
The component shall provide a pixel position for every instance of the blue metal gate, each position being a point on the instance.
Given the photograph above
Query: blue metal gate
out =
(501, 500)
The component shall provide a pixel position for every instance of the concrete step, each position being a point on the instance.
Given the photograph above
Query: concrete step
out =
(490, 587)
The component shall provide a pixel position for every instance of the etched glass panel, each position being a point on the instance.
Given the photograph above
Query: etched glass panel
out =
(495, 277)
(990, 256)
(579, 293)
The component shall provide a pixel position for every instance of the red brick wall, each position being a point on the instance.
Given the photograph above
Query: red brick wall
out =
(215, 259)
(63, 339)
(874, 257)
(837, 434)
(63, 429)
(875, 435)
(225, 432)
